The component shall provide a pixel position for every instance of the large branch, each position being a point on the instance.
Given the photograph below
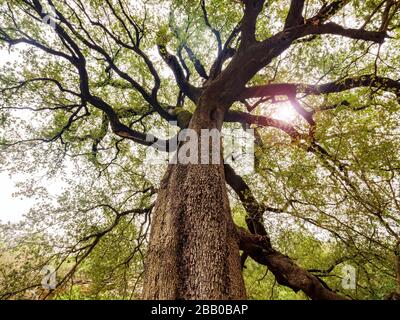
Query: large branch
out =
(290, 89)
(336, 29)
(117, 126)
(252, 55)
(252, 9)
(247, 118)
(189, 90)
(307, 115)
(328, 10)
(196, 62)
(257, 245)
(27, 40)
(124, 131)
(253, 208)
(90, 43)
(295, 16)
(275, 45)
(135, 42)
(285, 270)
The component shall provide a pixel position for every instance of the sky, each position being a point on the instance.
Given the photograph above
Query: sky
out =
(11, 208)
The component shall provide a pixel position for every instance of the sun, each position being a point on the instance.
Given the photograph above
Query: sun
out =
(284, 111)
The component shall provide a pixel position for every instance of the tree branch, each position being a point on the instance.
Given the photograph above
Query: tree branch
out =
(208, 24)
(196, 62)
(295, 16)
(327, 11)
(290, 89)
(189, 90)
(336, 29)
(252, 56)
(247, 118)
(307, 115)
(285, 270)
(226, 53)
(258, 246)
(252, 9)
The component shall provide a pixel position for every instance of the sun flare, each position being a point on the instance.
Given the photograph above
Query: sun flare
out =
(285, 112)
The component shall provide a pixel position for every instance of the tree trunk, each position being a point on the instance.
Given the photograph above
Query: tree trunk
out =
(194, 247)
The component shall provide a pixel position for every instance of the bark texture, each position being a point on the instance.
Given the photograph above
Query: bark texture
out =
(194, 247)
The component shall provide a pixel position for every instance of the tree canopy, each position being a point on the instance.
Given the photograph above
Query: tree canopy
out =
(90, 80)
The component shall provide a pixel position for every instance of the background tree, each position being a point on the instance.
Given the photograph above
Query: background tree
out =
(93, 78)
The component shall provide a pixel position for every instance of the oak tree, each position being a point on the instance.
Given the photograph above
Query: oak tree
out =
(94, 78)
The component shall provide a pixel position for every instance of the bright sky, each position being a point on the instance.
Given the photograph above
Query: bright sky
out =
(284, 111)
(11, 208)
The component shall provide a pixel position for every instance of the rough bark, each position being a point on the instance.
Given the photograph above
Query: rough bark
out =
(257, 245)
(285, 270)
(194, 247)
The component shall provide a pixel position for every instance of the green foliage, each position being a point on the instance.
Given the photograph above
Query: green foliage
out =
(333, 209)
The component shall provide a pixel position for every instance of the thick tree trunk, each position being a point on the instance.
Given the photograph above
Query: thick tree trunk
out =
(194, 248)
